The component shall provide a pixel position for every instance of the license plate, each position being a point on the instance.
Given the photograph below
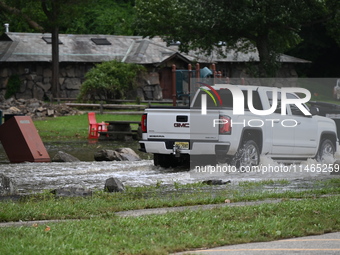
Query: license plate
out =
(182, 145)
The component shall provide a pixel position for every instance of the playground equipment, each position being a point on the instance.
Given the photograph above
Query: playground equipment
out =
(181, 80)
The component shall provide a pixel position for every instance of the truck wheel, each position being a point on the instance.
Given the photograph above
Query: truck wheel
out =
(163, 160)
(326, 150)
(247, 155)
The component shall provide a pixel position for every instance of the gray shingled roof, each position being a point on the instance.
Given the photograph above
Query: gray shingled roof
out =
(31, 47)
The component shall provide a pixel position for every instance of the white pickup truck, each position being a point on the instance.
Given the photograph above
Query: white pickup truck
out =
(212, 127)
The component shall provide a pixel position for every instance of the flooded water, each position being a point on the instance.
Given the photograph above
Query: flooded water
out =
(34, 177)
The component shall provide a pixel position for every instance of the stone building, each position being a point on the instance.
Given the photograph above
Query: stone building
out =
(28, 55)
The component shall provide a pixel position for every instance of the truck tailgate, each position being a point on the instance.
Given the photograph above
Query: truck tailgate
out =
(181, 124)
(204, 127)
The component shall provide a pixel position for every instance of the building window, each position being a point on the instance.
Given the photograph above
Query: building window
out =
(100, 41)
(48, 40)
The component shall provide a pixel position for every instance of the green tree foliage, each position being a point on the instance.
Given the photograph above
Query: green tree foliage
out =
(110, 80)
(321, 49)
(23, 16)
(320, 43)
(104, 17)
(73, 16)
(271, 26)
(59, 13)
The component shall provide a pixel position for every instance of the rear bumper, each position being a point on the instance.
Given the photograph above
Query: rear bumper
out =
(196, 148)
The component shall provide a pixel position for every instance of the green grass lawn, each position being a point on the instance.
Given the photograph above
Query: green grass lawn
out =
(177, 231)
(102, 204)
(320, 89)
(100, 231)
(73, 127)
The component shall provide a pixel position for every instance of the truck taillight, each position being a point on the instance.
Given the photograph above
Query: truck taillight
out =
(143, 123)
(224, 125)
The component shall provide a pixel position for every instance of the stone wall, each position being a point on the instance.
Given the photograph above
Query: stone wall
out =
(151, 89)
(36, 79)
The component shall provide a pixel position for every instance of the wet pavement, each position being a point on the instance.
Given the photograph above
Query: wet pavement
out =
(309, 245)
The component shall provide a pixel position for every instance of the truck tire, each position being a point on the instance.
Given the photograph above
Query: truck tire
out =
(247, 155)
(326, 149)
(162, 160)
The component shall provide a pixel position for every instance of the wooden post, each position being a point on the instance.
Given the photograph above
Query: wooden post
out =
(214, 73)
(174, 85)
(190, 74)
(101, 107)
(198, 71)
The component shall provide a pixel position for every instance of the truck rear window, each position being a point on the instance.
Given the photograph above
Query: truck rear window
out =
(227, 100)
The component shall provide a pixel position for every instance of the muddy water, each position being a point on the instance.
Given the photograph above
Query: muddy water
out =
(34, 177)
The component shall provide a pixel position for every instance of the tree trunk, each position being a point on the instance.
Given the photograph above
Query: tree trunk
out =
(55, 62)
(52, 14)
(264, 55)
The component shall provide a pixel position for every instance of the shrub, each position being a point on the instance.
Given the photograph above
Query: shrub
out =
(110, 80)
(13, 85)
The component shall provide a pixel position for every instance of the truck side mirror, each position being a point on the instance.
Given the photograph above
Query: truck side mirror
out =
(314, 110)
